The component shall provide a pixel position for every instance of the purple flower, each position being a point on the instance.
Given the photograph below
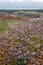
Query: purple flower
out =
(10, 26)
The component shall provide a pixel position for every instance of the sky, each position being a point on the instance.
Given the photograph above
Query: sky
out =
(21, 4)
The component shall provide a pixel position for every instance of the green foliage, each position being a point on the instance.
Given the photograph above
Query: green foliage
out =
(21, 61)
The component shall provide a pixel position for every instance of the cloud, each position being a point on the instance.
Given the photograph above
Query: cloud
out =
(38, 0)
(12, 0)
(2, 0)
(16, 0)
(21, 1)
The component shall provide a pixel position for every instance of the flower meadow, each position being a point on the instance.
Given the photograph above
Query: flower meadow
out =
(22, 45)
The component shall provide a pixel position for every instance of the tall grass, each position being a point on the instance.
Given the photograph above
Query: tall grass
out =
(4, 27)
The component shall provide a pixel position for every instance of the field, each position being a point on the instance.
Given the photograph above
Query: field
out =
(21, 41)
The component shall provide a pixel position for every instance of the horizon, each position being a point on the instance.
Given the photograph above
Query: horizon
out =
(21, 9)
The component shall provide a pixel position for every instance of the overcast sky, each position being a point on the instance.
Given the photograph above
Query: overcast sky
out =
(21, 4)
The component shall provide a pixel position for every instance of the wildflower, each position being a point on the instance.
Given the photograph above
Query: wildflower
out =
(10, 26)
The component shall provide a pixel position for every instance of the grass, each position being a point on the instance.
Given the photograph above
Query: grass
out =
(4, 24)
(4, 27)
